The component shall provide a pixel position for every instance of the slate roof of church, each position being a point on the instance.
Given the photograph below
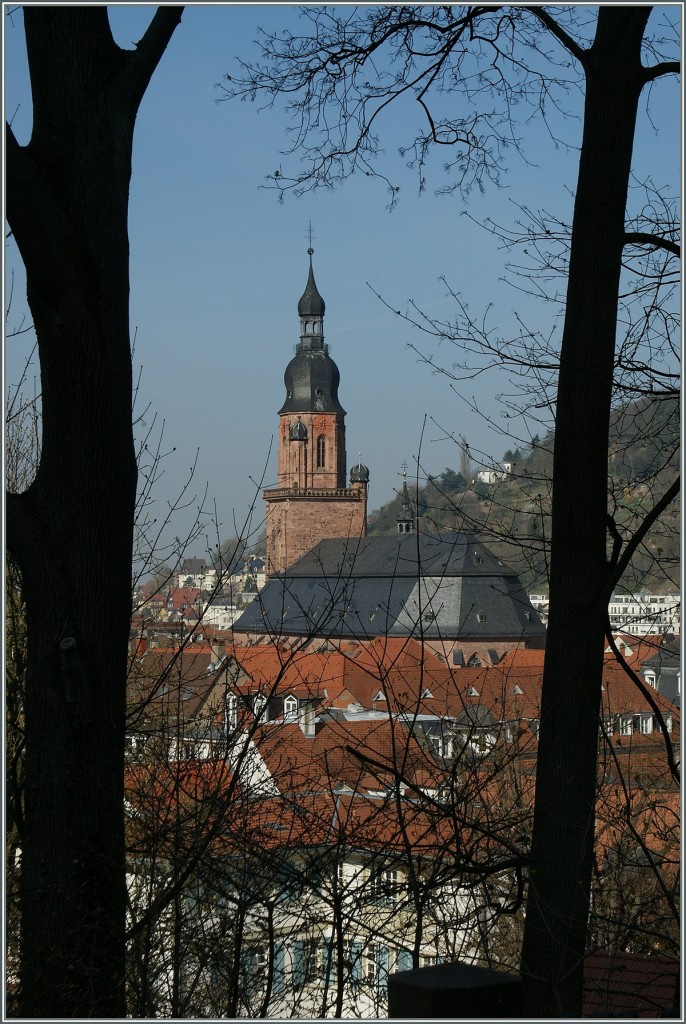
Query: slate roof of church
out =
(429, 584)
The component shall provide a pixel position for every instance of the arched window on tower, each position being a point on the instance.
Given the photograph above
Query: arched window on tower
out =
(321, 452)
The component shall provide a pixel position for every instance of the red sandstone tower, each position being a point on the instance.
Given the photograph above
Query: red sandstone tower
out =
(312, 501)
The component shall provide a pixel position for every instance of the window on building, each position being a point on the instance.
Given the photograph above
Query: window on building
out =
(321, 452)
(231, 711)
(668, 722)
(352, 961)
(306, 962)
(371, 963)
(259, 704)
(441, 744)
(384, 883)
(626, 725)
(290, 709)
(257, 966)
(646, 725)
(375, 966)
(651, 679)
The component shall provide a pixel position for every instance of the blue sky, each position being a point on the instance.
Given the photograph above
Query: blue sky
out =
(218, 265)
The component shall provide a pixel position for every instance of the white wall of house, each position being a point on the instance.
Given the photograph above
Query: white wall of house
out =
(645, 614)
(220, 615)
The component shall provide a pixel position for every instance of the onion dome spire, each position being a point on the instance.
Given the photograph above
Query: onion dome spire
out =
(311, 303)
(311, 377)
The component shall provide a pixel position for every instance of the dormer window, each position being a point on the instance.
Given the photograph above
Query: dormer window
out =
(626, 725)
(668, 722)
(290, 709)
(651, 679)
(646, 725)
(259, 704)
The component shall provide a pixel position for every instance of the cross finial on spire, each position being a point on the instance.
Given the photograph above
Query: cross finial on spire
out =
(309, 237)
(404, 469)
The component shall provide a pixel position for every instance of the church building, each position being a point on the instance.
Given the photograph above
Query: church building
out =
(312, 499)
(328, 579)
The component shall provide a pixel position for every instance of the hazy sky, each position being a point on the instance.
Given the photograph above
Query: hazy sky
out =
(218, 266)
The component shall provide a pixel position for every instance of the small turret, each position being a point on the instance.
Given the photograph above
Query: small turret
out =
(359, 474)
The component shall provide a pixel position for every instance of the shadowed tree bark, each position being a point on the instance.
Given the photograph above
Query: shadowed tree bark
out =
(581, 581)
(71, 530)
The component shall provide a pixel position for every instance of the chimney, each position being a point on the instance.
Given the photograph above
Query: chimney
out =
(218, 648)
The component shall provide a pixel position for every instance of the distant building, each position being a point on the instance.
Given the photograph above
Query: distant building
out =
(492, 476)
(646, 614)
(662, 670)
(195, 572)
(221, 612)
(445, 589)
(365, 736)
(313, 498)
(540, 602)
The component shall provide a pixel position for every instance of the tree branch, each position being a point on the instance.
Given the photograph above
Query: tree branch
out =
(636, 679)
(654, 514)
(556, 30)
(668, 67)
(656, 241)
(30, 206)
(141, 62)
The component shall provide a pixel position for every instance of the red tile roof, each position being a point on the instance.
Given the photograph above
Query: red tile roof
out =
(618, 984)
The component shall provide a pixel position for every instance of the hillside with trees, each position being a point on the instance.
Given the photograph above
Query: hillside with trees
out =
(513, 513)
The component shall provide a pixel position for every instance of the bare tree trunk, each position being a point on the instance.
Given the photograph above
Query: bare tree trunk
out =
(563, 833)
(71, 531)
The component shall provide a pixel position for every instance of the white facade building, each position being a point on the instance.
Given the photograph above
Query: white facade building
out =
(645, 614)
(221, 613)
(638, 614)
(492, 476)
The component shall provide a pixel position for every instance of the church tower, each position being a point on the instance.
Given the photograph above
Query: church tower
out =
(312, 500)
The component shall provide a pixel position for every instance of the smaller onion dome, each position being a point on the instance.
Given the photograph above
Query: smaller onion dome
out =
(298, 431)
(359, 474)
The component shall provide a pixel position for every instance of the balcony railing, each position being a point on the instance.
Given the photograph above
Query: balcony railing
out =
(314, 492)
